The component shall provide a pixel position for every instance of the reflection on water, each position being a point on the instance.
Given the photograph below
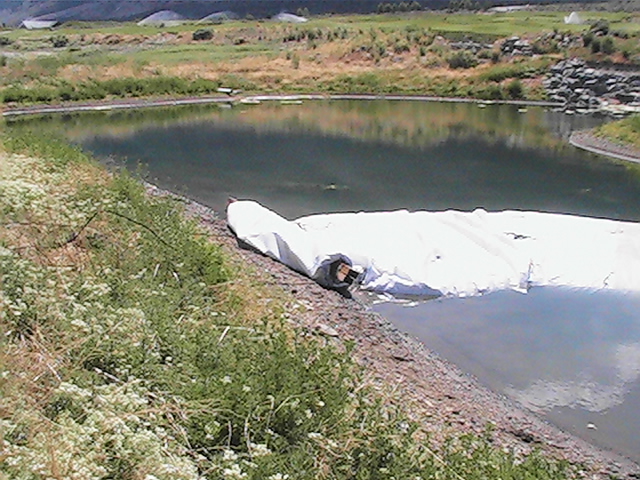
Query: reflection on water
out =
(573, 356)
(342, 156)
(396, 123)
(584, 391)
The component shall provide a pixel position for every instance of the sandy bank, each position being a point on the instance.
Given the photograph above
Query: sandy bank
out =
(438, 395)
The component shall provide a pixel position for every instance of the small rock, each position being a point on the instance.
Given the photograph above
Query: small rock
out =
(326, 330)
(525, 436)
(401, 357)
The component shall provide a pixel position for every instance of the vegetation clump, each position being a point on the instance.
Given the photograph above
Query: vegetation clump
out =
(59, 41)
(202, 34)
(462, 59)
(111, 88)
(626, 131)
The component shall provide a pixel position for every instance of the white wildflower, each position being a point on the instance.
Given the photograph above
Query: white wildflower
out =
(259, 449)
(80, 324)
(314, 435)
(140, 274)
(229, 455)
(74, 391)
(234, 472)
(278, 476)
(226, 379)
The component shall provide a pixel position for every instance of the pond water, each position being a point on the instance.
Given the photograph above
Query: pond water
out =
(572, 356)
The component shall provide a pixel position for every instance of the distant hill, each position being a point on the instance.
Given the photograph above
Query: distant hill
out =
(12, 12)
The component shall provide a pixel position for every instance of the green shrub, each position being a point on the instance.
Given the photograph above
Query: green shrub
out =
(118, 87)
(500, 72)
(17, 94)
(237, 82)
(362, 83)
(462, 59)
(515, 90)
(202, 86)
(401, 47)
(544, 47)
(202, 34)
(91, 90)
(490, 92)
(59, 41)
(164, 86)
(13, 95)
(124, 87)
(600, 26)
(608, 46)
(68, 93)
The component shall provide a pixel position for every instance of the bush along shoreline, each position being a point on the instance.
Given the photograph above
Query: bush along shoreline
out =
(133, 347)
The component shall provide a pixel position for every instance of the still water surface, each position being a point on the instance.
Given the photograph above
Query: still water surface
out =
(573, 356)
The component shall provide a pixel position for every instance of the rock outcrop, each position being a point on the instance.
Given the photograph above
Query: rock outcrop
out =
(516, 46)
(580, 87)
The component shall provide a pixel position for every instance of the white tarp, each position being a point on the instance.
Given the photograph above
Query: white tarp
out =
(449, 253)
(573, 19)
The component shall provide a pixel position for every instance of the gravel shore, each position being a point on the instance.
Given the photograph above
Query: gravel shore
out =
(587, 141)
(436, 393)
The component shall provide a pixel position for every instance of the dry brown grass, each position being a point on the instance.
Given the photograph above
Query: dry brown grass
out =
(322, 63)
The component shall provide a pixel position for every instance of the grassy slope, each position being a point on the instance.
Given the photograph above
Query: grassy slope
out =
(133, 348)
(359, 54)
(624, 131)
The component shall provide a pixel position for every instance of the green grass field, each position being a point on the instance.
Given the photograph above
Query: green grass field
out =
(502, 24)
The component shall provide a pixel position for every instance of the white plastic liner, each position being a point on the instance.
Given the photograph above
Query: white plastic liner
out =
(449, 253)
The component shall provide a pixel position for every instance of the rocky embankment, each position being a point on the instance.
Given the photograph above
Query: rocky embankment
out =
(582, 88)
